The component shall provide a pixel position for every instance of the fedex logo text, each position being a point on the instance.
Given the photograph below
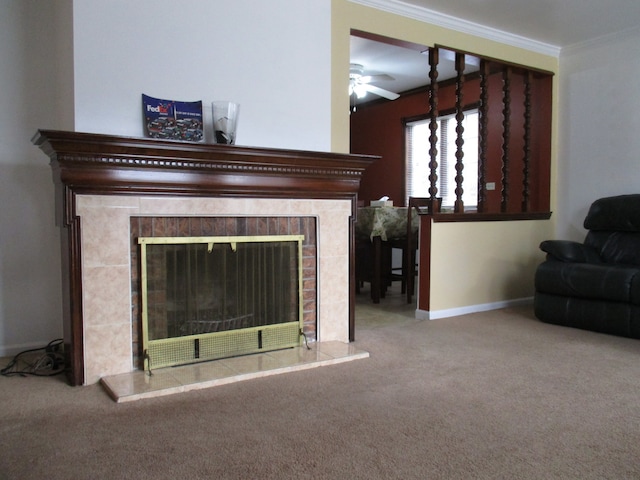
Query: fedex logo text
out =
(158, 109)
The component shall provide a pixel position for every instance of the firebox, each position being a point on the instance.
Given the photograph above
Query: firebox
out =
(205, 298)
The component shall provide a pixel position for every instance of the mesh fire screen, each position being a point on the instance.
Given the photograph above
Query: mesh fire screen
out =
(213, 297)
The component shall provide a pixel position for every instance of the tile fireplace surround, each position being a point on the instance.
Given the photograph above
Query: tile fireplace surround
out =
(103, 181)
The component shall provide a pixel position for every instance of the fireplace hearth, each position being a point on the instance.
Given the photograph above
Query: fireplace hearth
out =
(103, 182)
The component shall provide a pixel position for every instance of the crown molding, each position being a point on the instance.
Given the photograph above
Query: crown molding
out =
(454, 23)
(604, 41)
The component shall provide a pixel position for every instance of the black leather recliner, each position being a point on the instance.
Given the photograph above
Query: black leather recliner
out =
(595, 285)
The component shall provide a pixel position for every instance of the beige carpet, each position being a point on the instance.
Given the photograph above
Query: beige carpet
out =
(495, 395)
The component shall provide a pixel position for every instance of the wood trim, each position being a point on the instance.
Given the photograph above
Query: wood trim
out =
(417, 47)
(483, 111)
(104, 164)
(424, 272)
(500, 62)
(489, 217)
(506, 139)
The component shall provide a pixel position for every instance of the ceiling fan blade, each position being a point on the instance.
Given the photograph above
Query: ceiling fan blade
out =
(382, 77)
(380, 91)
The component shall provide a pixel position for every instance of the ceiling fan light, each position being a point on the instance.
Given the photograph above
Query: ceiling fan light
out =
(355, 70)
(360, 90)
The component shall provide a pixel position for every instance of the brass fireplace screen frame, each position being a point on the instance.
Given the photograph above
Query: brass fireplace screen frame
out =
(235, 337)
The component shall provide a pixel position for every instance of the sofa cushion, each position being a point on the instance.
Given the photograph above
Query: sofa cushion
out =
(584, 280)
(620, 213)
(622, 248)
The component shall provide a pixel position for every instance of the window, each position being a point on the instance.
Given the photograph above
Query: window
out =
(417, 159)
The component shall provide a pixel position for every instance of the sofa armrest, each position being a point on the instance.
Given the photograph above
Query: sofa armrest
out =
(569, 251)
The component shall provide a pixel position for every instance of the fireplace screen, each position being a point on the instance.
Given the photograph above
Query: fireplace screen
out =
(205, 298)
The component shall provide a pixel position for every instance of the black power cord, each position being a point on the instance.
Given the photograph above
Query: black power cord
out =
(50, 362)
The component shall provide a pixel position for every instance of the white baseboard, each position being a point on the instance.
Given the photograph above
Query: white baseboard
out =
(455, 312)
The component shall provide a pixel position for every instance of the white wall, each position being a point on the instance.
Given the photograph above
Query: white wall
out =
(599, 151)
(274, 58)
(30, 301)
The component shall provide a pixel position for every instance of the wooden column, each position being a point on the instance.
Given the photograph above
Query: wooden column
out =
(459, 62)
(528, 75)
(506, 136)
(483, 111)
(433, 123)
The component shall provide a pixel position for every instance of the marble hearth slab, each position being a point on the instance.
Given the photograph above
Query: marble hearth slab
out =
(138, 385)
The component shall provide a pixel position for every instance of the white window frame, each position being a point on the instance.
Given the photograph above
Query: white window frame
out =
(417, 158)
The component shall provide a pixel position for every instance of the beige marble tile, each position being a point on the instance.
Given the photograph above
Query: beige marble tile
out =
(236, 206)
(299, 207)
(268, 207)
(105, 237)
(332, 207)
(84, 202)
(138, 383)
(240, 206)
(107, 351)
(332, 325)
(106, 296)
(201, 372)
(251, 364)
(305, 207)
(334, 279)
(331, 236)
(292, 357)
(191, 206)
(167, 381)
(338, 350)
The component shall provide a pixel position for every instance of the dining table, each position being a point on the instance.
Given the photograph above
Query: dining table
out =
(379, 225)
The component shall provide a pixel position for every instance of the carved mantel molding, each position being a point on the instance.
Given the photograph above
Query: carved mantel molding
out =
(113, 164)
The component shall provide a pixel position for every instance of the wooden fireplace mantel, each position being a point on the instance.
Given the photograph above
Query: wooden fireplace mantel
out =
(86, 163)
(108, 164)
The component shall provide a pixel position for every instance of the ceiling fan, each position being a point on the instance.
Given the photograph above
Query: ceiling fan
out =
(360, 84)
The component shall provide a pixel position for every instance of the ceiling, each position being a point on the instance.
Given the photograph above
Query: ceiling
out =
(551, 23)
(407, 67)
(554, 22)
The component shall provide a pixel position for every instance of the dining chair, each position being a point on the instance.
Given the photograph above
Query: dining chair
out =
(372, 261)
(409, 246)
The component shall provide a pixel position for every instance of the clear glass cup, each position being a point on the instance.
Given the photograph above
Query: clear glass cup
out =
(225, 121)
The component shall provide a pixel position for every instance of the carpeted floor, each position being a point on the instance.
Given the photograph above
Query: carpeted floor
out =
(493, 395)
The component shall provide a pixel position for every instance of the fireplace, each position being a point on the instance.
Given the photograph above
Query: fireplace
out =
(209, 275)
(105, 184)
